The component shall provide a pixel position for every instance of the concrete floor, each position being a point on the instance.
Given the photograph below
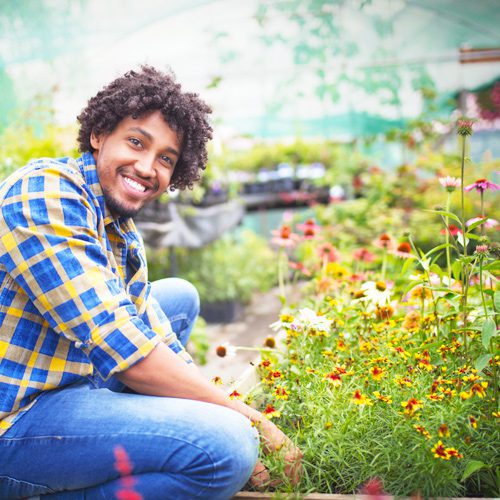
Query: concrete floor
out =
(250, 331)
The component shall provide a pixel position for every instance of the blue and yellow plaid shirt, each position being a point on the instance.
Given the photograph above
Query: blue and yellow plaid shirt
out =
(74, 294)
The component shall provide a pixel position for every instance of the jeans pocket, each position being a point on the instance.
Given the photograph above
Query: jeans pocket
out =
(11, 488)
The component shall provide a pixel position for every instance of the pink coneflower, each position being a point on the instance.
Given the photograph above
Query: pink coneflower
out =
(481, 185)
(298, 266)
(453, 230)
(403, 251)
(327, 251)
(363, 255)
(358, 277)
(309, 228)
(481, 249)
(384, 241)
(284, 237)
(464, 127)
(488, 224)
(449, 183)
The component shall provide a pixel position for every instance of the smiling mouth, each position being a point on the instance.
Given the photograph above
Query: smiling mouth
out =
(136, 186)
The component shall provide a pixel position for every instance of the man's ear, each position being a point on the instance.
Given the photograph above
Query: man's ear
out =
(95, 140)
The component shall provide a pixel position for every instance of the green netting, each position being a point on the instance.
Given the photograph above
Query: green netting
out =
(269, 67)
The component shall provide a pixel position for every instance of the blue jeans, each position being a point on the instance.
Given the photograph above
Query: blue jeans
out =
(64, 446)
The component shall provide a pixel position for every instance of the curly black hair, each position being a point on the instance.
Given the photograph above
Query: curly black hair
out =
(137, 93)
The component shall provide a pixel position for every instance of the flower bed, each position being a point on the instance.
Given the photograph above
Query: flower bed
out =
(388, 371)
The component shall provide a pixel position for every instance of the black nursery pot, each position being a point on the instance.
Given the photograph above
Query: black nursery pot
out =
(221, 311)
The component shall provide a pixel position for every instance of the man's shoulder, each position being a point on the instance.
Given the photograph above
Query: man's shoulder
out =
(43, 170)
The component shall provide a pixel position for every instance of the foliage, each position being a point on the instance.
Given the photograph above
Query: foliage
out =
(389, 366)
(198, 344)
(231, 268)
(31, 137)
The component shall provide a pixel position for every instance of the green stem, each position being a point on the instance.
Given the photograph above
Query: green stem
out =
(481, 287)
(465, 277)
(281, 278)
(462, 195)
(384, 264)
(448, 260)
(482, 213)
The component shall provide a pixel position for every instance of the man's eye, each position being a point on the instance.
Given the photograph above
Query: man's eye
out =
(135, 142)
(167, 160)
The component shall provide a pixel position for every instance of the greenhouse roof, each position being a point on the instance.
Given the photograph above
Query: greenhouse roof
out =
(269, 68)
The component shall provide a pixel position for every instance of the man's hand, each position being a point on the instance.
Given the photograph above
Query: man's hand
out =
(273, 440)
(163, 373)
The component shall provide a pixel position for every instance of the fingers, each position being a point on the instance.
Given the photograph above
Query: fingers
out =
(260, 476)
(293, 467)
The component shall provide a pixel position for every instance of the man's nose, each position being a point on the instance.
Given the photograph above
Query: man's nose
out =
(144, 167)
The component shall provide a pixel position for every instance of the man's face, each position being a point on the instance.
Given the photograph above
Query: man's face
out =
(135, 162)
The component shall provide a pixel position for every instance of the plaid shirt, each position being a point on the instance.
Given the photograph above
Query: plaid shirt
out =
(74, 294)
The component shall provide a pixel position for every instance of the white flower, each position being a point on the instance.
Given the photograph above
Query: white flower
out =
(307, 318)
(376, 292)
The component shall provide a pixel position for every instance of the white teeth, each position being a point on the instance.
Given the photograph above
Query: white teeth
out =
(135, 185)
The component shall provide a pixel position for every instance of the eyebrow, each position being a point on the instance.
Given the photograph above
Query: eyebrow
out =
(146, 134)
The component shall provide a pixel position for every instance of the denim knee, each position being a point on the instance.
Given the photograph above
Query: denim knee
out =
(236, 455)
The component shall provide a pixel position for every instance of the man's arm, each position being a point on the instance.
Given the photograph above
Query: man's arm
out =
(163, 373)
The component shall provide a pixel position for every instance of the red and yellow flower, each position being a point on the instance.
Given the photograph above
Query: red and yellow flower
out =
(411, 406)
(359, 399)
(271, 412)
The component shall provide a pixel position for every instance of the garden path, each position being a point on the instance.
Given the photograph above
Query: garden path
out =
(249, 331)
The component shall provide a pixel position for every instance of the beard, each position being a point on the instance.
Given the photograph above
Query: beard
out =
(117, 208)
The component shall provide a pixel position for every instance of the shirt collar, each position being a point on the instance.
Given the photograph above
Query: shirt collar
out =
(88, 168)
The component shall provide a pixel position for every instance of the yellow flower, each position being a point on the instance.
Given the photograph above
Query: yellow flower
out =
(443, 431)
(334, 379)
(404, 382)
(335, 270)
(381, 397)
(422, 430)
(280, 393)
(435, 397)
(217, 380)
(439, 451)
(411, 406)
(235, 395)
(473, 421)
(271, 412)
(377, 373)
(359, 399)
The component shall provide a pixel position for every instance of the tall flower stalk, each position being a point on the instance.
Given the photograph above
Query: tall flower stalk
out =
(464, 129)
(450, 184)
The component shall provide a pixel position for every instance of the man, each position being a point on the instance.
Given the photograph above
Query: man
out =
(89, 363)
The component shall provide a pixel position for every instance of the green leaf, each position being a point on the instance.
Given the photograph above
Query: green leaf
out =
(474, 236)
(494, 267)
(482, 362)
(411, 286)
(406, 266)
(436, 249)
(475, 224)
(456, 269)
(473, 466)
(496, 301)
(488, 331)
(436, 269)
(445, 214)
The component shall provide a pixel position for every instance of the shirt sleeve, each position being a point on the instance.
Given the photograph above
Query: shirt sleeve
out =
(158, 321)
(53, 245)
